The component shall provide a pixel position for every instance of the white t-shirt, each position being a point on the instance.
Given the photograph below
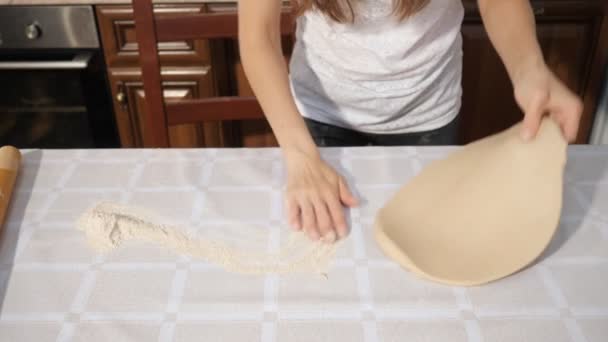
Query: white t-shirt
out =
(380, 75)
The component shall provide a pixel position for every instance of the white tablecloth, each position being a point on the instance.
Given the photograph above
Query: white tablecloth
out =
(54, 287)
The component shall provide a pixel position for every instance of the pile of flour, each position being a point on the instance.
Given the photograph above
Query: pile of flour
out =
(109, 225)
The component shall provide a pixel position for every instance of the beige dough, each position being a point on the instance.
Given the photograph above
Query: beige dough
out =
(483, 213)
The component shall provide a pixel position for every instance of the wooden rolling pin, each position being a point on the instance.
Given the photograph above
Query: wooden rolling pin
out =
(10, 159)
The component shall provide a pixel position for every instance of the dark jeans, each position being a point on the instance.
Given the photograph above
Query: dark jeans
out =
(326, 135)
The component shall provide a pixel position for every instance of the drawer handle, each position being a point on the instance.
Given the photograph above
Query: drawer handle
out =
(538, 10)
(78, 62)
(121, 98)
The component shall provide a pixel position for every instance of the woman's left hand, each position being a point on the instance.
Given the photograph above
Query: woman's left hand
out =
(539, 92)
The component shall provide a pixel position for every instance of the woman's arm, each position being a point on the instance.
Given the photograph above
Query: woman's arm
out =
(512, 30)
(315, 191)
(264, 64)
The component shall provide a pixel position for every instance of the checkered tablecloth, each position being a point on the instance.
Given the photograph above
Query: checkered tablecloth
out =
(53, 287)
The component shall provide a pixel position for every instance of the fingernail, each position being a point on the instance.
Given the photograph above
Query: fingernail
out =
(329, 237)
(526, 135)
(341, 232)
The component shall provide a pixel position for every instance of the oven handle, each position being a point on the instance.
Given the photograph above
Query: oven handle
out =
(79, 62)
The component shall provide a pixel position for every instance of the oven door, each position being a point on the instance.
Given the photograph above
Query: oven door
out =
(55, 100)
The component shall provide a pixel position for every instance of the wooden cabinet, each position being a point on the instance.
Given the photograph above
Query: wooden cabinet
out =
(573, 35)
(187, 72)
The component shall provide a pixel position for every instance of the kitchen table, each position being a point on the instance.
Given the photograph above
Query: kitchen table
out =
(54, 287)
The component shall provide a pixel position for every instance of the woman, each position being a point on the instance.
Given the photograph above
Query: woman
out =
(384, 72)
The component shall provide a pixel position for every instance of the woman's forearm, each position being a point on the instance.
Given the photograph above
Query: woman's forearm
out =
(512, 29)
(537, 90)
(266, 71)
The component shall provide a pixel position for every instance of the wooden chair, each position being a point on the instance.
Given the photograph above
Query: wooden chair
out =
(176, 27)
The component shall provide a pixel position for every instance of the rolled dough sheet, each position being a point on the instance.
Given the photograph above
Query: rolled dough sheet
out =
(483, 213)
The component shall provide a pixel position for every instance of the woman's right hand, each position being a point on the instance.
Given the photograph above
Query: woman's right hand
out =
(315, 197)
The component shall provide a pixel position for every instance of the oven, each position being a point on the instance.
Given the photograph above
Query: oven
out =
(53, 87)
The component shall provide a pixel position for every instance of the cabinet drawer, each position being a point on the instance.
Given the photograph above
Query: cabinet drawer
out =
(117, 29)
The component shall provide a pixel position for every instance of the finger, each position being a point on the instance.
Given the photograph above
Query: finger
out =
(346, 196)
(571, 120)
(568, 126)
(337, 216)
(297, 225)
(533, 116)
(568, 116)
(309, 222)
(324, 221)
(293, 214)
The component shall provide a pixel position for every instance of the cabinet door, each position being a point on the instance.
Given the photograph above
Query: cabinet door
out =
(117, 29)
(567, 37)
(179, 83)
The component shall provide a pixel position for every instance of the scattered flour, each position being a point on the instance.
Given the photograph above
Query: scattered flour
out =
(108, 225)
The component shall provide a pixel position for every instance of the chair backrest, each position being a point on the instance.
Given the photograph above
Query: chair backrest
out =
(176, 27)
